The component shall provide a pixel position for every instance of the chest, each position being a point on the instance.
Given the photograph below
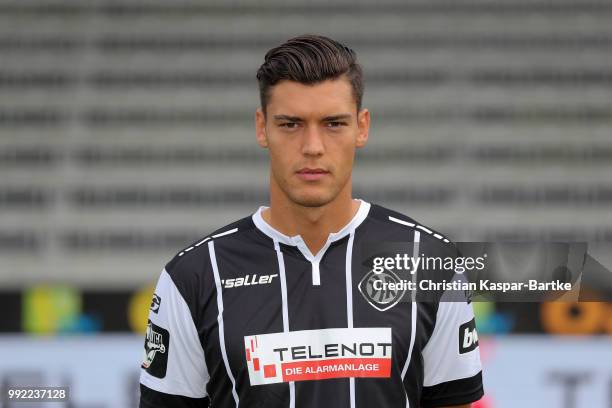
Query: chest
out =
(278, 326)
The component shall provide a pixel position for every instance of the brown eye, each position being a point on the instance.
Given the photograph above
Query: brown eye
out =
(336, 124)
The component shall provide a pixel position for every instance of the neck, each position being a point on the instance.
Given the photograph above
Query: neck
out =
(313, 224)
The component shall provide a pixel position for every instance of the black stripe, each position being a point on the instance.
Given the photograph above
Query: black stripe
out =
(455, 392)
(154, 399)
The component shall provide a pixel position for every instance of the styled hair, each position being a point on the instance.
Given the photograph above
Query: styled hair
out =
(309, 59)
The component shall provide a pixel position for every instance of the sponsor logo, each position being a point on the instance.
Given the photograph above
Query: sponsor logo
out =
(156, 345)
(468, 337)
(382, 290)
(318, 355)
(155, 303)
(248, 280)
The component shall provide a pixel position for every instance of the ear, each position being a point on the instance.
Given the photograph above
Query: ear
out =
(260, 128)
(363, 123)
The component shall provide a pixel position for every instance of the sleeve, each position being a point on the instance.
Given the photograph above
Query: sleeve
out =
(173, 371)
(452, 368)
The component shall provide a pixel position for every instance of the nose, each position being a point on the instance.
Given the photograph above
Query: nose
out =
(313, 144)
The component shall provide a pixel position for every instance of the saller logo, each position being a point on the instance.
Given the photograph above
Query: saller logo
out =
(156, 350)
(374, 287)
(468, 337)
(318, 355)
(248, 280)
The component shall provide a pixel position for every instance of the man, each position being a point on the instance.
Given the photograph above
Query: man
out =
(276, 309)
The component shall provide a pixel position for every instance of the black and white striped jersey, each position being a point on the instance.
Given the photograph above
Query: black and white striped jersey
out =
(249, 317)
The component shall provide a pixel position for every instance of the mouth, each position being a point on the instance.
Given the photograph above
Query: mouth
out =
(311, 174)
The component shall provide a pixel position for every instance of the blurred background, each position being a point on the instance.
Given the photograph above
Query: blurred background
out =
(126, 132)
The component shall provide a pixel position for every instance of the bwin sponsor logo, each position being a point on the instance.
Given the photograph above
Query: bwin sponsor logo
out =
(468, 337)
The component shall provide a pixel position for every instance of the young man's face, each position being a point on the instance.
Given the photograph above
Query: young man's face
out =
(312, 132)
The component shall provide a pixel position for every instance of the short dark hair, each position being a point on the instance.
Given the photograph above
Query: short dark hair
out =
(309, 59)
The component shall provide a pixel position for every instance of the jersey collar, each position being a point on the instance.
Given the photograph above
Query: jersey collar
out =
(296, 240)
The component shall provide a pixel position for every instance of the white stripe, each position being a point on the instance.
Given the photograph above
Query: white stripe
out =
(225, 233)
(285, 306)
(213, 261)
(425, 229)
(352, 391)
(415, 254)
(202, 241)
(349, 302)
(349, 279)
(206, 239)
(291, 394)
(283, 282)
(316, 272)
(401, 221)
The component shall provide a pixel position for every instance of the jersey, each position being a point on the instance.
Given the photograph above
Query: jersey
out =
(249, 317)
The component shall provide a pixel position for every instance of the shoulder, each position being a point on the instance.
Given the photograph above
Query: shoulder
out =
(191, 271)
(394, 220)
(195, 256)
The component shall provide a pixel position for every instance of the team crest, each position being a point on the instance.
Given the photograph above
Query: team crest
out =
(372, 290)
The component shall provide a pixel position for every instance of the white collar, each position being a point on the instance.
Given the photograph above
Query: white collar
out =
(296, 240)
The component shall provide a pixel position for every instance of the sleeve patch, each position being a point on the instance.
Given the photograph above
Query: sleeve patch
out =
(156, 346)
(468, 337)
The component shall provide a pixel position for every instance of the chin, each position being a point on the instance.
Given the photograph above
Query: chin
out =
(312, 199)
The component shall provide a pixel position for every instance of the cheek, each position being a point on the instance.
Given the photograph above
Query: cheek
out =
(342, 155)
(281, 158)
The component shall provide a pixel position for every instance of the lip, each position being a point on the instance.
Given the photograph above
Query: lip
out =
(311, 174)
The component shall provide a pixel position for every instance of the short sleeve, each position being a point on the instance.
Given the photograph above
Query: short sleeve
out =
(452, 368)
(173, 371)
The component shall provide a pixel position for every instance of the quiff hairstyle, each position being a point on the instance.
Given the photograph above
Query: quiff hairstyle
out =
(309, 59)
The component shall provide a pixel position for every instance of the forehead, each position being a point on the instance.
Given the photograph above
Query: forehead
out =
(323, 98)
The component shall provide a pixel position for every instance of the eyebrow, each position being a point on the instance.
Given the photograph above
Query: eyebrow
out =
(325, 119)
(288, 118)
(337, 117)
